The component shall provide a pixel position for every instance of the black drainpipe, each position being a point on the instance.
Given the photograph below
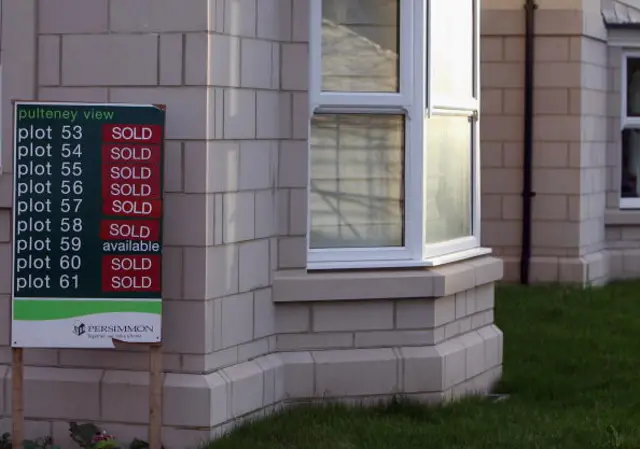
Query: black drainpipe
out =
(527, 167)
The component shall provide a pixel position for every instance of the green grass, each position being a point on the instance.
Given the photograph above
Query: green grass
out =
(571, 365)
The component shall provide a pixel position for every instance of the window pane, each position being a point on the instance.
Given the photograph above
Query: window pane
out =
(360, 45)
(629, 187)
(357, 181)
(449, 178)
(452, 49)
(633, 87)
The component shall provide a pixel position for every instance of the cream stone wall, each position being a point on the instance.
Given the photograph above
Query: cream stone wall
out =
(224, 122)
(570, 138)
(246, 327)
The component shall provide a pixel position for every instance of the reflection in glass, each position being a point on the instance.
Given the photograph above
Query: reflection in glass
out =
(633, 87)
(630, 187)
(452, 48)
(360, 45)
(357, 185)
(449, 178)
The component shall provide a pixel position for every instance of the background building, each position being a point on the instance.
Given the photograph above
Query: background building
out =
(584, 215)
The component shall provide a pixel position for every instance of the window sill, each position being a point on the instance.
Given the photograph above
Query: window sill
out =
(622, 217)
(630, 203)
(378, 264)
(417, 282)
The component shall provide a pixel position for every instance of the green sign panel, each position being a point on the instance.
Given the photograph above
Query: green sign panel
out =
(87, 224)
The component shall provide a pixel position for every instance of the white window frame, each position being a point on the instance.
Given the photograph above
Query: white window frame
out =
(626, 123)
(416, 102)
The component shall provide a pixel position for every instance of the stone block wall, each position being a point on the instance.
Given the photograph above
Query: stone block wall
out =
(216, 65)
(501, 133)
(293, 154)
(436, 337)
(374, 323)
(570, 138)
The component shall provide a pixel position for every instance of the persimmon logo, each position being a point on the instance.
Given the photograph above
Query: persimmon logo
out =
(79, 328)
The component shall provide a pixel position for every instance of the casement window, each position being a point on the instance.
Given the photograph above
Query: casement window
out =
(630, 132)
(393, 140)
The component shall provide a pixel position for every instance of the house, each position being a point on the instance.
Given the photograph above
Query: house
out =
(583, 218)
(341, 191)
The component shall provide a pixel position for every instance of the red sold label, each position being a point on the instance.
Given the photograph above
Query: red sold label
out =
(132, 133)
(118, 153)
(131, 172)
(130, 230)
(131, 273)
(139, 181)
(132, 208)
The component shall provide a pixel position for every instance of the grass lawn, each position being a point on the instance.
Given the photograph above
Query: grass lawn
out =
(571, 364)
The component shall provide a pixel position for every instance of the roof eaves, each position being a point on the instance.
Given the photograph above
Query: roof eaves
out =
(617, 14)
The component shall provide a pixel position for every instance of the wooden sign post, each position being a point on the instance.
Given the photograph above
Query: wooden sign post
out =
(87, 235)
(155, 397)
(17, 397)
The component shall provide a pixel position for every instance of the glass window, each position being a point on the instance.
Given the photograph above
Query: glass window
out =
(633, 87)
(360, 45)
(630, 188)
(356, 186)
(630, 135)
(392, 167)
(449, 173)
(452, 49)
